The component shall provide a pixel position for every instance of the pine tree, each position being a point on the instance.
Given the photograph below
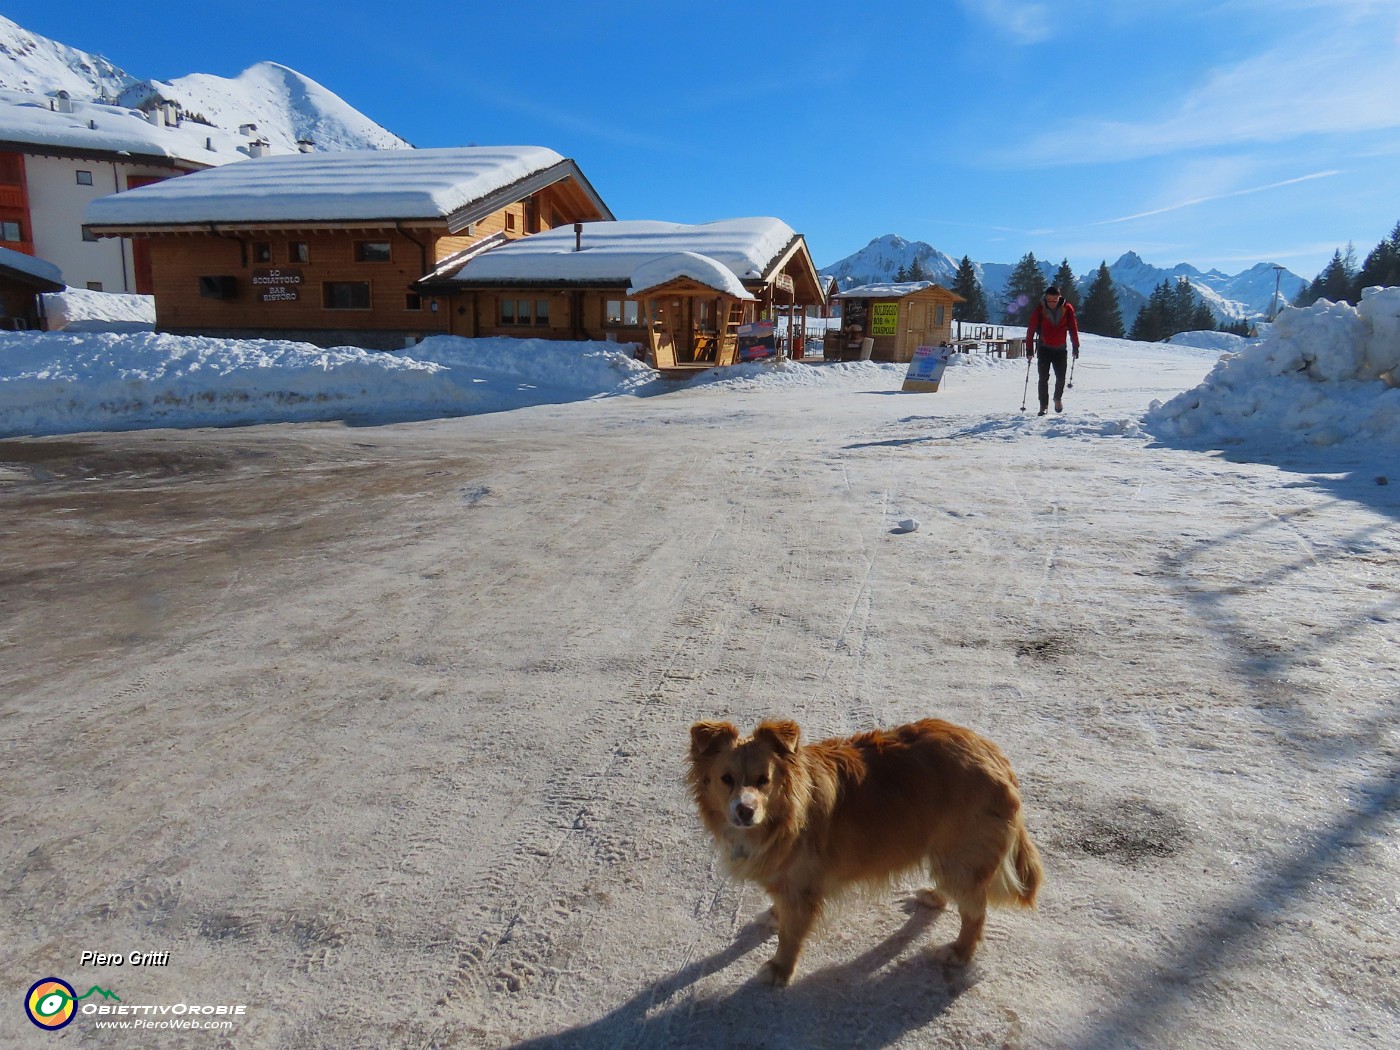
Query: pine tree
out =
(1024, 290)
(1101, 314)
(916, 271)
(1382, 265)
(1068, 286)
(1203, 320)
(966, 285)
(1183, 307)
(1334, 282)
(1154, 320)
(902, 274)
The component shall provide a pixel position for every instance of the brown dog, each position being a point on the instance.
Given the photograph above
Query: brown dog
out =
(806, 821)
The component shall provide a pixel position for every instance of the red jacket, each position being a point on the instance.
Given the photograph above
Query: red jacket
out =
(1054, 331)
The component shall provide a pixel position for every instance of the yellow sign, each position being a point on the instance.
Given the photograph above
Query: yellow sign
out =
(884, 319)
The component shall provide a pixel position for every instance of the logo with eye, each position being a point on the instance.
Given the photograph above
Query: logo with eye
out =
(52, 1002)
(49, 1003)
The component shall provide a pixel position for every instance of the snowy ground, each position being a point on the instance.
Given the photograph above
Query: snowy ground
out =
(378, 730)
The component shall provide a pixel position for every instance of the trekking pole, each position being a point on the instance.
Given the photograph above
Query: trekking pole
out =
(1072, 360)
(1030, 352)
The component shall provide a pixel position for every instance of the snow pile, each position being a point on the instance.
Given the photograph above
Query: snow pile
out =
(1325, 375)
(60, 383)
(1224, 341)
(79, 310)
(583, 369)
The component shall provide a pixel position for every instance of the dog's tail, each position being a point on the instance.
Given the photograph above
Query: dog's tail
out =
(1018, 879)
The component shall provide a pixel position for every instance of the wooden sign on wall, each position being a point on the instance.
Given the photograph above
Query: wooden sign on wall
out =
(275, 285)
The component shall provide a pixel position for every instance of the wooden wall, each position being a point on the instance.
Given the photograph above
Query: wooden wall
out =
(918, 325)
(178, 261)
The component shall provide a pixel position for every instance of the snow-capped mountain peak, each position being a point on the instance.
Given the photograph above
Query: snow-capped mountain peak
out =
(276, 104)
(1244, 295)
(880, 260)
(40, 66)
(286, 107)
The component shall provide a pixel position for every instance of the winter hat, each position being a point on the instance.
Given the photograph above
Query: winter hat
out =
(1052, 290)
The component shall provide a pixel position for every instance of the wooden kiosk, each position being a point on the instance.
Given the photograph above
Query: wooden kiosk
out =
(899, 317)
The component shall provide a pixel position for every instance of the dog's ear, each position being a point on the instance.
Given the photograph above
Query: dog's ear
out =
(706, 738)
(782, 734)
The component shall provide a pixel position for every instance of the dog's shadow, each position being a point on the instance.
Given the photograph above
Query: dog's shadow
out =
(864, 1002)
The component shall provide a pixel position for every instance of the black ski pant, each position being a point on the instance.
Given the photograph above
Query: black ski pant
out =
(1048, 357)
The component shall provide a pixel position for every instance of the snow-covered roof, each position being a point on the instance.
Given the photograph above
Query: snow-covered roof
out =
(613, 252)
(886, 291)
(46, 276)
(94, 128)
(665, 268)
(330, 187)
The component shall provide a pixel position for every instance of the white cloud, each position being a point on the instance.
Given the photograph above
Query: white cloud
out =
(1338, 76)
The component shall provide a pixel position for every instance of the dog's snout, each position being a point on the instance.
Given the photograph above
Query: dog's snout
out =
(744, 812)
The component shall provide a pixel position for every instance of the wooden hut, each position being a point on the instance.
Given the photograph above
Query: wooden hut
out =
(22, 279)
(327, 248)
(898, 317)
(678, 292)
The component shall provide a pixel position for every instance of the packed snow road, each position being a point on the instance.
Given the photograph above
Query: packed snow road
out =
(379, 731)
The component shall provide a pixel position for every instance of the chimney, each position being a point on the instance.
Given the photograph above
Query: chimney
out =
(258, 148)
(578, 236)
(63, 102)
(248, 130)
(306, 145)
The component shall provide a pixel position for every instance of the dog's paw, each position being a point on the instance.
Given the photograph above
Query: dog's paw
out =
(773, 975)
(952, 955)
(931, 898)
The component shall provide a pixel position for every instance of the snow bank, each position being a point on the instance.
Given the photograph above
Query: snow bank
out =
(1224, 341)
(58, 383)
(79, 310)
(1325, 375)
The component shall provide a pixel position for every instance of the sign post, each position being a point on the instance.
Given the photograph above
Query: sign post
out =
(926, 369)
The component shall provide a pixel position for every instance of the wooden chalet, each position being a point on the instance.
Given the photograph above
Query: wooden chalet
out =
(329, 248)
(678, 292)
(898, 317)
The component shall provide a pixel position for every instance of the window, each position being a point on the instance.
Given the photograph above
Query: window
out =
(624, 313)
(262, 252)
(94, 286)
(84, 178)
(525, 312)
(373, 251)
(412, 302)
(510, 222)
(345, 295)
(939, 323)
(10, 231)
(88, 235)
(298, 252)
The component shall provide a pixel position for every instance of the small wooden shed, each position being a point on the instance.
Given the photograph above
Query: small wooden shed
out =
(899, 317)
(22, 279)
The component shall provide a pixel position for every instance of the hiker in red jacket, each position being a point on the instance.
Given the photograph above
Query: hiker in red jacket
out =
(1053, 322)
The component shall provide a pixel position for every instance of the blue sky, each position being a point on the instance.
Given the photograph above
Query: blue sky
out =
(1217, 132)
